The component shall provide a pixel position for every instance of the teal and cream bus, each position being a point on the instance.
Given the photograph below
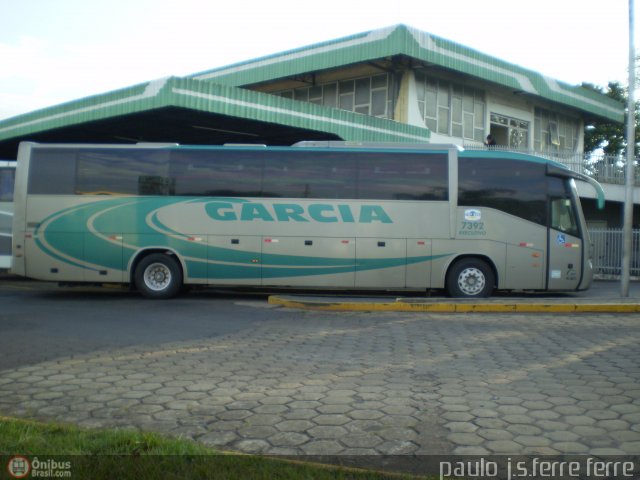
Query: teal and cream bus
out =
(321, 215)
(7, 174)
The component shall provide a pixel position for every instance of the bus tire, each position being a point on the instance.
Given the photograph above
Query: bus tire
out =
(158, 276)
(470, 278)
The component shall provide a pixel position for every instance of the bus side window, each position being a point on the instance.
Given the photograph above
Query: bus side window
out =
(217, 172)
(405, 176)
(52, 171)
(104, 171)
(515, 187)
(6, 184)
(314, 175)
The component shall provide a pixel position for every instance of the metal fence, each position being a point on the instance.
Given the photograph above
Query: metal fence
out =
(604, 168)
(607, 255)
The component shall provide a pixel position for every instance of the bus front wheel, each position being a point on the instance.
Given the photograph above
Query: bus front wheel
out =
(470, 278)
(158, 276)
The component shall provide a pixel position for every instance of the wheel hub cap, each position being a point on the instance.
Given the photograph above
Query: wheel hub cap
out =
(157, 276)
(471, 281)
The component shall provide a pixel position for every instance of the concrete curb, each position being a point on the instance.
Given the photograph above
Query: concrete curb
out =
(307, 303)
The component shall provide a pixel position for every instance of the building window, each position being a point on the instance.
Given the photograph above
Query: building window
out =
(509, 131)
(366, 95)
(554, 132)
(451, 109)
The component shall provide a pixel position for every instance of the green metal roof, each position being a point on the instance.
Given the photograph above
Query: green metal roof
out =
(403, 40)
(208, 97)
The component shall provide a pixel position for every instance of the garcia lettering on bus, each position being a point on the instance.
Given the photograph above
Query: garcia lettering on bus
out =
(294, 212)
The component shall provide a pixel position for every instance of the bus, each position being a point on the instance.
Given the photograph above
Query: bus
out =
(7, 174)
(315, 215)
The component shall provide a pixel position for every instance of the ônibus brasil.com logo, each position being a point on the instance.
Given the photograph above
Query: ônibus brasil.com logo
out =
(21, 467)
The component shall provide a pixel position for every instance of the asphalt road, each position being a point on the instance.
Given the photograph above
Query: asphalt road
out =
(41, 321)
(50, 321)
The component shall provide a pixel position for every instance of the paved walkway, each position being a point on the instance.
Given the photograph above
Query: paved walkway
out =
(325, 383)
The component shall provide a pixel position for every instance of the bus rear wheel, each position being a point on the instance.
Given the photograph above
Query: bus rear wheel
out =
(158, 276)
(470, 278)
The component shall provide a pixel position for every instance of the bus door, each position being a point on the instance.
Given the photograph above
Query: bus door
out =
(565, 244)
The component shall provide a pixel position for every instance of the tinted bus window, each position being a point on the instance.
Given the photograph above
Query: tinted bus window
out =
(124, 172)
(240, 173)
(313, 175)
(514, 187)
(226, 173)
(7, 176)
(400, 176)
(52, 171)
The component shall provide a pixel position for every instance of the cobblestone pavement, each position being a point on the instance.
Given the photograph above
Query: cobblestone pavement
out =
(356, 383)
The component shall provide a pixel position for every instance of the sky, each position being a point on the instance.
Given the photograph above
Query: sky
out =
(53, 51)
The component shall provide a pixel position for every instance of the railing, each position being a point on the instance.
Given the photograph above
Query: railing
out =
(607, 254)
(604, 168)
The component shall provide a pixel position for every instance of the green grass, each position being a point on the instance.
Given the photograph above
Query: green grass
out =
(126, 455)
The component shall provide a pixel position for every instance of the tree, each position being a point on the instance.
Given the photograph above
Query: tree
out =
(605, 134)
